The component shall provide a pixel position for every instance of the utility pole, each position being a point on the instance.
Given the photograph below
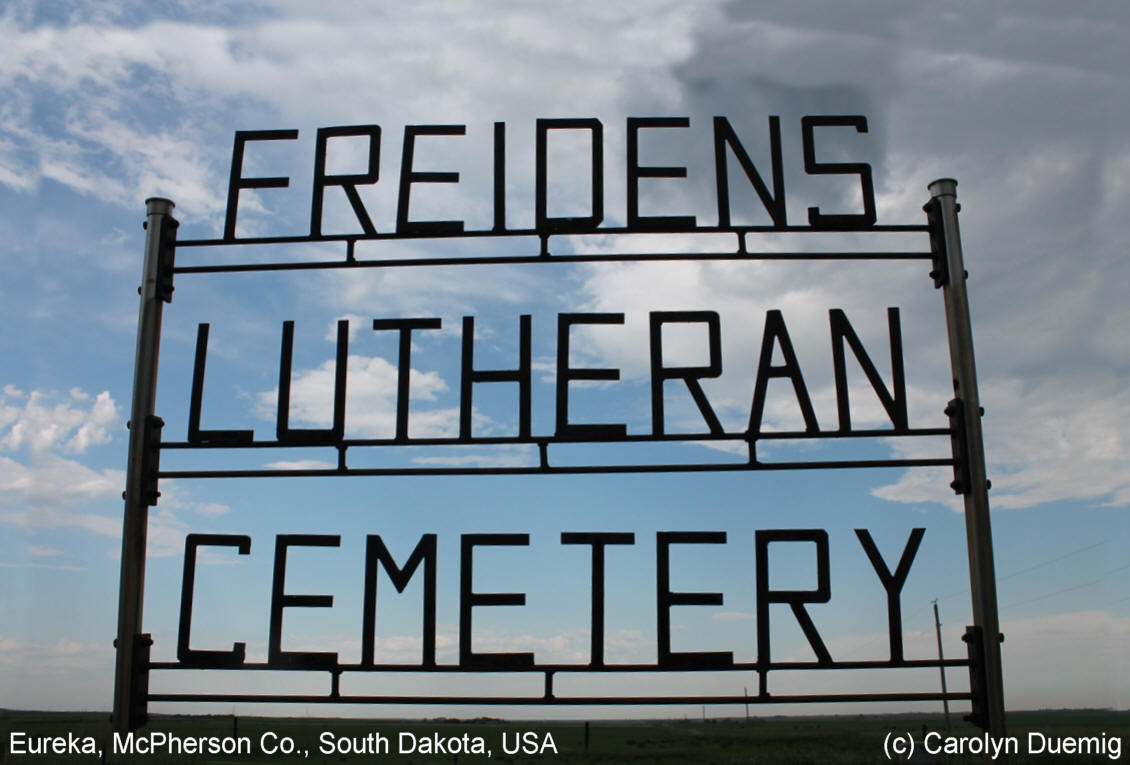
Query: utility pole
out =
(941, 664)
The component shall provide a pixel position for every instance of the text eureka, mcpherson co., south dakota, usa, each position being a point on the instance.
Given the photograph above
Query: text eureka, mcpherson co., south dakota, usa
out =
(273, 743)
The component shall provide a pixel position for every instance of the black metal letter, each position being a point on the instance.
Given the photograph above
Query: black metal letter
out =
(277, 657)
(348, 183)
(689, 375)
(468, 599)
(195, 434)
(186, 655)
(598, 540)
(892, 583)
(237, 181)
(470, 376)
(376, 552)
(665, 599)
(331, 435)
(894, 402)
(774, 203)
(795, 598)
(576, 224)
(500, 176)
(776, 333)
(635, 172)
(404, 366)
(408, 176)
(812, 167)
(565, 373)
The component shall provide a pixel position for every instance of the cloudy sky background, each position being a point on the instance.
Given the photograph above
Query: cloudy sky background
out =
(103, 105)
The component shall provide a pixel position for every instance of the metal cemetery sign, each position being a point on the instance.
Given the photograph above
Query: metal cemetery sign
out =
(166, 257)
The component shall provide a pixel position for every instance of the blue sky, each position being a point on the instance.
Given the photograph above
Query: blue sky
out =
(105, 104)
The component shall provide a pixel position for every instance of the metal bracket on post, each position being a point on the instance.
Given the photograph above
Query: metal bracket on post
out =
(974, 638)
(969, 448)
(975, 649)
(958, 446)
(940, 273)
(151, 461)
(166, 259)
(139, 707)
(131, 673)
(933, 210)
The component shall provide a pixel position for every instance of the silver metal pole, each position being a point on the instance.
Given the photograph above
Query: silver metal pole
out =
(978, 532)
(135, 521)
(941, 665)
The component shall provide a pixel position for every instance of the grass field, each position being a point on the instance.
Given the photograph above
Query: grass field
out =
(839, 739)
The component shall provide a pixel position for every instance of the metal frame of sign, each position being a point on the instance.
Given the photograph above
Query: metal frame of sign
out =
(131, 694)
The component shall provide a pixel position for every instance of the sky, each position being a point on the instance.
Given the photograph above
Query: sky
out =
(103, 105)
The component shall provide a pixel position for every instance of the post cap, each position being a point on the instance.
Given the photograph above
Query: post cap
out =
(159, 206)
(943, 187)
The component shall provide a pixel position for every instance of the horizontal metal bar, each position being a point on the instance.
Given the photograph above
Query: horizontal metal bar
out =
(313, 265)
(560, 700)
(552, 440)
(558, 470)
(612, 230)
(585, 668)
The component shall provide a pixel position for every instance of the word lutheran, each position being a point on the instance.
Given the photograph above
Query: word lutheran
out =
(775, 342)
(726, 144)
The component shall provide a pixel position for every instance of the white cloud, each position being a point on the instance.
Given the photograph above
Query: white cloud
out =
(165, 534)
(47, 566)
(74, 424)
(52, 658)
(51, 482)
(370, 399)
(93, 145)
(176, 497)
(508, 456)
(108, 73)
(212, 509)
(742, 293)
(1045, 440)
(42, 552)
(49, 491)
(283, 62)
(923, 485)
(417, 291)
(301, 465)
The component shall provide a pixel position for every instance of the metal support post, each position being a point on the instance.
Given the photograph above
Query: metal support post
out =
(971, 481)
(140, 493)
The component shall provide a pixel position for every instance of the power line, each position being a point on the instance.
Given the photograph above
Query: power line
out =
(1041, 564)
(1091, 583)
(1053, 560)
(1052, 594)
